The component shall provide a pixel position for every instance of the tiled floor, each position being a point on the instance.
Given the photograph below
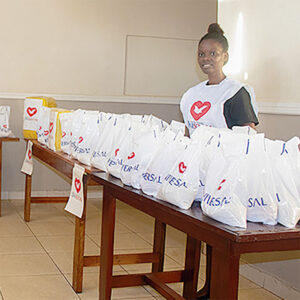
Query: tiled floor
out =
(36, 257)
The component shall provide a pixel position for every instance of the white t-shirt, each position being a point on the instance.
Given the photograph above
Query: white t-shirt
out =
(204, 104)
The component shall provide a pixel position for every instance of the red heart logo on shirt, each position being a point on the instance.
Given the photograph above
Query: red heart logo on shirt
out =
(51, 126)
(77, 185)
(132, 155)
(182, 167)
(31, 111)
(80, 139)
(199, 109)
(29, 154)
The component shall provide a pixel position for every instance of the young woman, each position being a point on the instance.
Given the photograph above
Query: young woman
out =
(219, 101)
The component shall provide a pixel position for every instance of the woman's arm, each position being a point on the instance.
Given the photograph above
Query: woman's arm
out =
(252, 125)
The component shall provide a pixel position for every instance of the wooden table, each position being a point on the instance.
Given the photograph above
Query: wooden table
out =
(226, 244)
(64, 164)
(4, 139)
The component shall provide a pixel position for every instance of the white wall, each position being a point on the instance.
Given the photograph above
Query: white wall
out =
(80, 47)
(264, 45)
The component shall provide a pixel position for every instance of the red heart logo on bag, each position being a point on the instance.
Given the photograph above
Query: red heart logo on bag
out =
(77, 185)
(132, 155)
(51, 126)
(220, 186)
(63, 134)
(46, 132)
(199, 109)
(29, 154)
(31, 111)
(182, 167)
(80, 139)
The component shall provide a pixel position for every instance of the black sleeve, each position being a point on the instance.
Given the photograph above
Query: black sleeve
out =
(238, 110)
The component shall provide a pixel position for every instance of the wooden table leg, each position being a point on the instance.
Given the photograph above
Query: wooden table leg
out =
(192, 262)
(27, 203)
(107, 244)
(78, 254)
(0, 177)
(159, 245)
(224, 275)
(203, 294)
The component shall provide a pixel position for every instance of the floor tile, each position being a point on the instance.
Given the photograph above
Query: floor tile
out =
(26, 264)
(14, 229)
(93, 226)
(257, 294)
(64, 261)
(245, 283)
(125, 241)
(34, 255)
(14, 245)
(37, 288)
(52, 228)
(91, 288)
(66, 244)
(136, 221)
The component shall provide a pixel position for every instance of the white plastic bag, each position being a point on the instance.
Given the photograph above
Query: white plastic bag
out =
(156, 122)
(4, 121)
(161, 163)
(261, 201)
(66, 125)
(293, 148)
(43, 125)
(223, 186)
(177, 126)
(286, 190)
(122, 147)
(244, 130)
(113, 130)
(181, 185)
(75, 130)
(144, 144)
(87, 140)
(208, 141)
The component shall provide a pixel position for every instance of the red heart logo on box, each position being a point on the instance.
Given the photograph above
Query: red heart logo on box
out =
(31, 111)
(77, 185)
(199, 109)
(51, 126)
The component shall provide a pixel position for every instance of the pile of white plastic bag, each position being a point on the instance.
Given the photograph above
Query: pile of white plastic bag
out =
(237, 175)
(4, 121)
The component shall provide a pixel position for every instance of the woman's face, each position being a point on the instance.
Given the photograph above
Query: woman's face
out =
(211, 57)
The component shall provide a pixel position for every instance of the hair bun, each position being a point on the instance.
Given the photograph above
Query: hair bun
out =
(215, 28)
